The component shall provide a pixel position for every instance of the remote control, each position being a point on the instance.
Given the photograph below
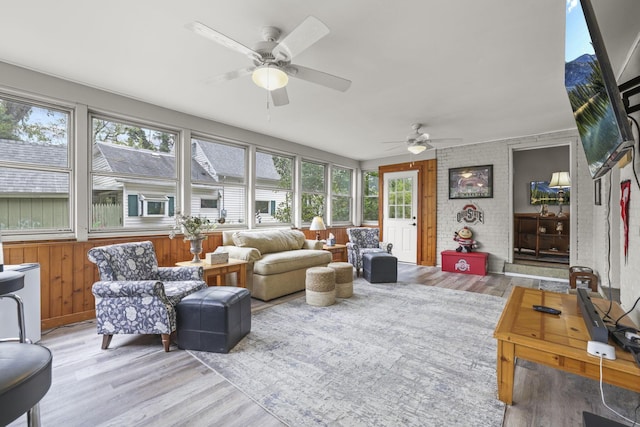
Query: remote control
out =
(546, 309)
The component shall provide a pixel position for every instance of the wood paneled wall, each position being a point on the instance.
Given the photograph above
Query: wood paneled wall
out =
(66, 274)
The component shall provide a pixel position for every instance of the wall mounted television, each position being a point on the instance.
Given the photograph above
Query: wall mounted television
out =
(541, 194)
(593, 92)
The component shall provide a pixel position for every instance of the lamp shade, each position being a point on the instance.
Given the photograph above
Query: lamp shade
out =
(560, 180)
(416, 148)
(270, 77)
(317, 224)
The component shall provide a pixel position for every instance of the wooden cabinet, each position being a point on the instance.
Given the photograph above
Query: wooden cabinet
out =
(541, 236)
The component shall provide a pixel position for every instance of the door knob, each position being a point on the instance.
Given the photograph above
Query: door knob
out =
(414, 224)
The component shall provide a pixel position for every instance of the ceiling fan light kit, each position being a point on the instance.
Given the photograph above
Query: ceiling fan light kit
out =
(416, 148)
(270, 77)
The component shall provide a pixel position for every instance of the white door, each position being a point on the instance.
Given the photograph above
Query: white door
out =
(400, 225)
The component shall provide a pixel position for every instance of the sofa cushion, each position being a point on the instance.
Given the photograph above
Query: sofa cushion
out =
(281, 262)
(270, 241)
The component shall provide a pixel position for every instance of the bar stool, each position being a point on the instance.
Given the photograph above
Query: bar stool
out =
(25, 368)
(12, 281)
(583, 276)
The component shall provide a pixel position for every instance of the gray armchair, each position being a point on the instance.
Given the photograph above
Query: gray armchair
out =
(134, 295)
(361, 241)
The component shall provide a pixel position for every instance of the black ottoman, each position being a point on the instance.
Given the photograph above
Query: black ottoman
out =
(380, 267)
(213, 319)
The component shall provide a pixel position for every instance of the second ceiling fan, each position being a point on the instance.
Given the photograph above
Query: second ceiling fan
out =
(272, 58)
(418, 141)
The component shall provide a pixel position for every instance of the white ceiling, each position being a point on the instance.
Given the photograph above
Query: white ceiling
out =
(476, 70)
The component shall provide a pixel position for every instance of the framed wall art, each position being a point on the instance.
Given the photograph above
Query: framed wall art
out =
(541, 194)
(472, 182)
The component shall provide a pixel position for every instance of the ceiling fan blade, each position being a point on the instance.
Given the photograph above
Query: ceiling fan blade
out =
(304, 35)
(319, 77)
(231, 75)
(204, 31)
(280, 97)
(444, 140)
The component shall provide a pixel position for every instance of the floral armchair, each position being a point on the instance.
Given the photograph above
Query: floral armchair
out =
(134, 295)
(361, 241)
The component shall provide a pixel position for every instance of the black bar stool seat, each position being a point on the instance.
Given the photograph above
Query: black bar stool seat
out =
(25, 377)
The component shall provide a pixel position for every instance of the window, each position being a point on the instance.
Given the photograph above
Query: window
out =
(313, 190)
(370, 196)
(133, 174)
(208, 203)
(154, 205)
(218, 181)
(274, 188)
(35, 171)
(341, 188)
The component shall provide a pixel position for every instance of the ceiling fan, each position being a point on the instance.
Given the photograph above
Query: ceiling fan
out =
(418, 141)
(272, 58)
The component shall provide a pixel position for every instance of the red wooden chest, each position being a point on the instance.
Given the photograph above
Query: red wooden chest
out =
(467, 263)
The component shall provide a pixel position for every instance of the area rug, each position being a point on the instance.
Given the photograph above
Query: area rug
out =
(391, 355)
(553, 286)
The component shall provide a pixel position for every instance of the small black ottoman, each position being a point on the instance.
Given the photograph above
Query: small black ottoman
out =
(213, 319)
(380, 267)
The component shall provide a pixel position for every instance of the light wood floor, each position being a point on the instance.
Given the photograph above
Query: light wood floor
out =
(136, 383)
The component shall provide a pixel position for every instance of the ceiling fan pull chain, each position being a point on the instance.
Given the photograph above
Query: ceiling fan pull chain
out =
(268, 109)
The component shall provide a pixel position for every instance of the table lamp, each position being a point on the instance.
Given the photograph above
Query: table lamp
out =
(560, 180)
(317, 224)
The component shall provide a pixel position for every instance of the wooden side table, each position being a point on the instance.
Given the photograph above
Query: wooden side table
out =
(338, 252)
(219, 271)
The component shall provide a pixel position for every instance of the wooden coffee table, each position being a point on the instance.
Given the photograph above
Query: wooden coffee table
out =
(556, 341)
(219, 271)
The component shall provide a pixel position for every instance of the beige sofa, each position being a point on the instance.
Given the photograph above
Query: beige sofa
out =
(278, 259)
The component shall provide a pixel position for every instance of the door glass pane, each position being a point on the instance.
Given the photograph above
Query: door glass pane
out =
(399, 198)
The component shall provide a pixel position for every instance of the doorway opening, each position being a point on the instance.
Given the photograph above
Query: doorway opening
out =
(541, 207)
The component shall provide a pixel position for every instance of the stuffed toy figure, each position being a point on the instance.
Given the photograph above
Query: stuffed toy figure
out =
(464, 237)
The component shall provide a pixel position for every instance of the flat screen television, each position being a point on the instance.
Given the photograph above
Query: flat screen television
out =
(593, 92)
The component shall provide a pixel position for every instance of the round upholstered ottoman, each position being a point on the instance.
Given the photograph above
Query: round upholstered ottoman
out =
(344, 278)
(321, 286)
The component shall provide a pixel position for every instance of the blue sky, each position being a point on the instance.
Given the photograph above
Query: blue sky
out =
(578, 40)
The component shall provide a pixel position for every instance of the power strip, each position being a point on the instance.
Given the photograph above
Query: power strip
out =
(600, 349)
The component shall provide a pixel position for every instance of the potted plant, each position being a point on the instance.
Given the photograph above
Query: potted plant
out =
(193, 229)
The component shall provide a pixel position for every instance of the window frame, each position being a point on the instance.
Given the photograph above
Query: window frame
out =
(363, 196)
(348, 195)
(324, 193)
(223, 187)
(68, 170)
(148, 224)
(260, 187)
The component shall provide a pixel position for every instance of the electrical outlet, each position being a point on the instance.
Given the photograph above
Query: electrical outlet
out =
(600, 349)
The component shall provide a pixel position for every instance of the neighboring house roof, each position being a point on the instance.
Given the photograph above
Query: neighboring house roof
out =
(127, 160)
(33, 153)
(108, 157)
(16, 180)
(228, 161)
(265, 167)
(224, 159)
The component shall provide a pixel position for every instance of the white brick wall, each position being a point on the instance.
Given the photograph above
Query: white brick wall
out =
(495, 235)
(629, 269)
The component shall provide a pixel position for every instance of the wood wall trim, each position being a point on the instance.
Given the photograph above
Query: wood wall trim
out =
(427, 205)
(67, 275)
